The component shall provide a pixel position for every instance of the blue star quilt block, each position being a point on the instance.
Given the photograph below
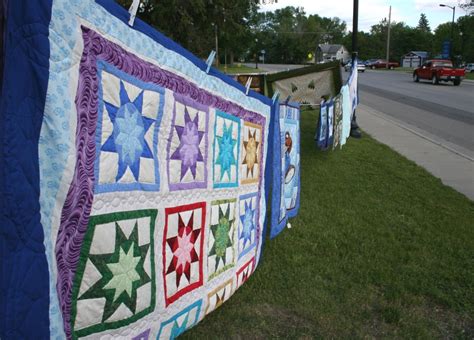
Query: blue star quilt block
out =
(220, 243)
(130, 113)
(180, 322)
(219, 295)
(183, 249)
(226, 150)
(248, 223)
(251, 153)
(187, 148)
(115, 281)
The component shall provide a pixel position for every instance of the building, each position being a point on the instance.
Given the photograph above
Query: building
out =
(331, 52)
(414, 59)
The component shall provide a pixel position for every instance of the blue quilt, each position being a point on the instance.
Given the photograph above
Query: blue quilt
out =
(132, 187)
(286, 166)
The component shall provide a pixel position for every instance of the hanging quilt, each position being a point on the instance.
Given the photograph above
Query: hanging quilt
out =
(337, 121)
(286, 166)
(321, 136)
(136, 195)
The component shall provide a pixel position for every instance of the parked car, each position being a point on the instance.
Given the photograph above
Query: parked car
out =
(469, 67)
(369, 61)
(360, 66)
(438, 70)
(382, 63)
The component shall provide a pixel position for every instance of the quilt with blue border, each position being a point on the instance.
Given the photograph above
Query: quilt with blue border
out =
(133, 180)
(286, 166)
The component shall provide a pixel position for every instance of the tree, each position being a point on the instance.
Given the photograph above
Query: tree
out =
(423, 24)
(468, 6)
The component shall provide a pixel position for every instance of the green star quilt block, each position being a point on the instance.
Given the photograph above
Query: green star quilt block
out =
(226, 150)
(221, 253)
(115, 281)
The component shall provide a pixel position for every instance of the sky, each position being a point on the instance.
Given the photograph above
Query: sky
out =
(372, 11)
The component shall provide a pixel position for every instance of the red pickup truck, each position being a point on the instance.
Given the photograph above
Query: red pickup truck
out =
(439, 70)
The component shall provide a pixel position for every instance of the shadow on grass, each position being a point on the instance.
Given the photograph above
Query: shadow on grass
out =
(380, 249)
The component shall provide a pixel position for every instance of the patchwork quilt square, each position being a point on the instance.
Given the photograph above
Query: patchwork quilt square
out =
(221, 237)
(130, 112)
(226, 150)
(248, 223)
(251, 155)
(182, 321)
(218, 296)
(115, 281)
(183, 242)
(245, 271)
(187, 148)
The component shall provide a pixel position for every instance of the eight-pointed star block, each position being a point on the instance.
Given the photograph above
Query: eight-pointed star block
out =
(248, 223)
(226, 150)
(115, 280)
(183, 241)
(251, 153)
(187, 146)
(129, 117)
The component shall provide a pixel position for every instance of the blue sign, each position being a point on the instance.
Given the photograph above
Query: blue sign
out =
(446, 49)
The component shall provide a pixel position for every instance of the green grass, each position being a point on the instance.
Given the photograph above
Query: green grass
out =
(470, 75)
(380, 248)
(238, 69)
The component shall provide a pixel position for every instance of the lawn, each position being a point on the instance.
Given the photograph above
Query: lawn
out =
(470, 75)
(380, 249)
(239, 69)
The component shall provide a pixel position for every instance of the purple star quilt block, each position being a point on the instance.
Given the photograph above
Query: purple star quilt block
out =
(187, 148)
(129, 117)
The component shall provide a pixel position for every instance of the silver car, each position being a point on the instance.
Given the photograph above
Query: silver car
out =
(360, 67)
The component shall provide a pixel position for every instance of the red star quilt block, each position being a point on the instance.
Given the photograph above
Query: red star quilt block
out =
(245, 271)
(183, 242)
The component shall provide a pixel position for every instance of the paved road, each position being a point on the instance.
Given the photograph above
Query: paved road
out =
(444, 111)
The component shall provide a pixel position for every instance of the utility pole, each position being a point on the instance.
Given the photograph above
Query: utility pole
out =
(388, 35)
(217, 46)
(355, 22)
(355, 132)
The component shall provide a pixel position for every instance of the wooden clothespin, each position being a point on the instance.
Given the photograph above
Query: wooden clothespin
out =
(210, 60)
(247, 85)
(133, 11)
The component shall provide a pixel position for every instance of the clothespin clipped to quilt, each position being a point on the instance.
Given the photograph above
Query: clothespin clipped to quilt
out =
(133, 11)
(247, 85)
(210, 60)
(275, 97)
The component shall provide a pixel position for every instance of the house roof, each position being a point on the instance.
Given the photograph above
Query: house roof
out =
(422, 54)
(330, 48)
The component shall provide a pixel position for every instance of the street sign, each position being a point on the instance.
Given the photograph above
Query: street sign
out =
(262, 51)
(446, 49)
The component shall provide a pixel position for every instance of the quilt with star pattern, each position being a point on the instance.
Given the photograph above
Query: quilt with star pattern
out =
(134, 178)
